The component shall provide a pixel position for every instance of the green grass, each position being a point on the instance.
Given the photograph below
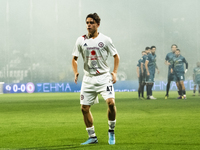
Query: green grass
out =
(54, 121)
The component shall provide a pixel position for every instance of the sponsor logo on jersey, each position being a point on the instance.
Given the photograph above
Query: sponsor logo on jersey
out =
(94, 63)
(92, 48)
(94, 57)
(93, 52)
(101, 44)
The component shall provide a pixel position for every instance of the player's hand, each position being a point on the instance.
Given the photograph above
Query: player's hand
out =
(148, 73)
(158, 71)
(138, 75)
(114, 77)
(168, 64)
(76, 77)
(186, 70)
(171, 71)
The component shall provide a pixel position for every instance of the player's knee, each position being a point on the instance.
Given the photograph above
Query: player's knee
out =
(85, 108)
(111, 102)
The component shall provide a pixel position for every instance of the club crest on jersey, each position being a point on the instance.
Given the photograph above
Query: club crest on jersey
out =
(85, 44)
(101, 44)
(82, 97)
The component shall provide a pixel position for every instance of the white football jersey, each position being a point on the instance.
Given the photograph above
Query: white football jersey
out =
(95, 53)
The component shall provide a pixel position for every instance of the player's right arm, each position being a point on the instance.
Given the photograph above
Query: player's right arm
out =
(75, 54)
(138, 71)
(166, 60)
(75, 68)
(146, 66)
(194, 75)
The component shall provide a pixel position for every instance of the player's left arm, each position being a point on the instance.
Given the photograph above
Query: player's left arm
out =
(157, 69)
(116, 65)
(113, 52)
(141, 66)
(138, 71)
(186, 63)
(172, 65)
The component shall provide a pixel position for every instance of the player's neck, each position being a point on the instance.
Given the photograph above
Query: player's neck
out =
(93, 35)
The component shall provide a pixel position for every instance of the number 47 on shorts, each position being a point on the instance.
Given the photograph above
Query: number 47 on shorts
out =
(109, 88)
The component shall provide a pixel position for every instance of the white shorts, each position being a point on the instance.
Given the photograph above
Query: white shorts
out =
(94, 85)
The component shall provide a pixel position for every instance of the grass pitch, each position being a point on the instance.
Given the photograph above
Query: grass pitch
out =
(54, 121)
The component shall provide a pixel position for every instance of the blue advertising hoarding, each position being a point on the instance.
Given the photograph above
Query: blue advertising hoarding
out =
(120, 86)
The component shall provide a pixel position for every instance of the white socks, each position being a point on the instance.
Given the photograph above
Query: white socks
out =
(91, 132)
(111, 124)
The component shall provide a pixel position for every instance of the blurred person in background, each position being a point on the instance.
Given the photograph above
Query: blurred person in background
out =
(168, 61)
(178, 69)
(141, 79)
(150, 72)
(196, 78)
(143, 70)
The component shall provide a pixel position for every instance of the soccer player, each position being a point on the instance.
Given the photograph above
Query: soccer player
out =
(153, 52)
(95, 48)
(196, 78)
(143, 70)
(150, 71)
(140, 77)
(168, 61)
(178, 70)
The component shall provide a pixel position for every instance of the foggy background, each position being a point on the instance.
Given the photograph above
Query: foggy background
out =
(37, 36)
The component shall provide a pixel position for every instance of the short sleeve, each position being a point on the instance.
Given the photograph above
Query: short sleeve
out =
(167, 57)
(148, 58)
(77, 47)
(142, 60)
(111, 48)
(138, 64)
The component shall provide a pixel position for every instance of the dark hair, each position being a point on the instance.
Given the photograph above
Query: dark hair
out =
(153, 47)
(178, 50)
(147, 48)
(95, 17)
(174, 45)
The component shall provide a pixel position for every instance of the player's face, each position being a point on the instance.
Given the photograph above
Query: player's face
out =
(91, 25)
(143, 54)
(174, 49)
(153, 50)
(177, 53)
